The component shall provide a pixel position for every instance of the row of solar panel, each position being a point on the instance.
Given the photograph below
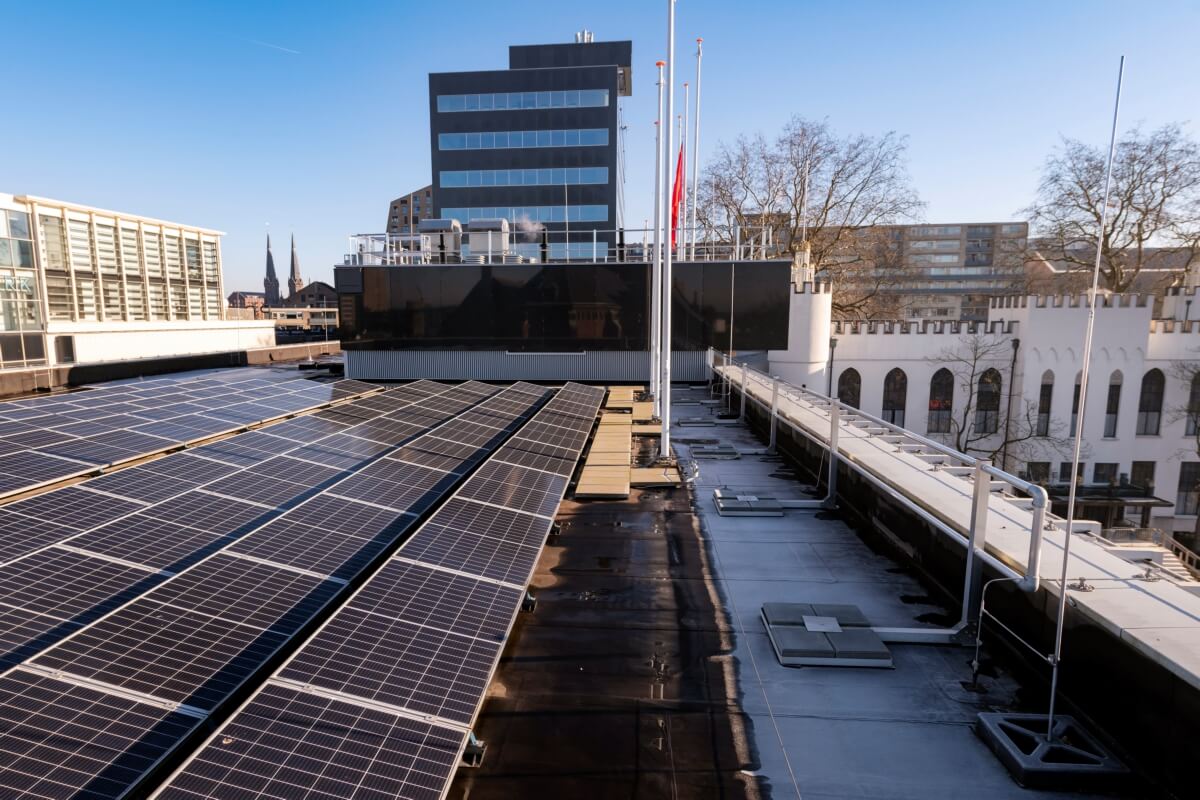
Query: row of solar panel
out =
(349, 714)
(76, 553)
(43, 440)
(186, 644)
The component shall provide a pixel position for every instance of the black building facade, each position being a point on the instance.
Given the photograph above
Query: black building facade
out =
(560, 308)
(536, 144)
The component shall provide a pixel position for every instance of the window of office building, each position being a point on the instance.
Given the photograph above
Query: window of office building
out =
(1044, 397)
(1150, 401)
(981, 231)
(453, 179)
(849, 388)
(1105, 474)
(1193, 407)
(1038, 471)
(987, 402)
(934, 244)
(1141, 475)
(1064, 471)
(1188, 497)
(583, 213)
(1075, 404)
(941, 401)
(510, 140)
(895, 396)
(517, 101)
(1112, 405)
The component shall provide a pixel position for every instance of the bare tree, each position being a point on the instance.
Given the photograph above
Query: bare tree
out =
(988, 418)
(1155, 202)
(820, 193)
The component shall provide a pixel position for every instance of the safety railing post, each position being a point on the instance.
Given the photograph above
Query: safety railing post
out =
(774, 411)
(835, 415)
(976, 539)
(742, 410)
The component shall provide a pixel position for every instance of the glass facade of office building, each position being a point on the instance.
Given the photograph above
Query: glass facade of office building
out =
(63, 264)
(21, 340)
(528, 142)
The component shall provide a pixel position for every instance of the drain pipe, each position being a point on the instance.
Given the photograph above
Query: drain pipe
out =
(1012, 384)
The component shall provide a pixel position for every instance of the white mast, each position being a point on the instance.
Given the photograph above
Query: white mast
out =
(696, 152)
(1083, 383)
(665, 447)
(683, 212)
(656, 262)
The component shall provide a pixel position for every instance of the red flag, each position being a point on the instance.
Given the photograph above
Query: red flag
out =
(676, 196)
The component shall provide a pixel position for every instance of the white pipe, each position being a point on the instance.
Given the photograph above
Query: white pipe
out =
(666, 277)
(1083, 383)
(656, 269)
(696, 151)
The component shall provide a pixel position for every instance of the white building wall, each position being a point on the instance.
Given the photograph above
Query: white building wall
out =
(98, 342)
(1050, 332)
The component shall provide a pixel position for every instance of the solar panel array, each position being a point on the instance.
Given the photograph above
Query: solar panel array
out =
(377, 703)
(116, 536)
(48, 439)
(155, 668)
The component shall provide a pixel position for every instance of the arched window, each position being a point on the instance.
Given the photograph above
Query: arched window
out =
(850, 387)
(1193, 407)
(1113, 405)
(895, 395)
(1075, 402)
(941, 401)
(1150, 403)
(987, 402)
(1044, 398)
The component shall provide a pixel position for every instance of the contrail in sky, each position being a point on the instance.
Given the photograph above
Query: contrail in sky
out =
(274, 46)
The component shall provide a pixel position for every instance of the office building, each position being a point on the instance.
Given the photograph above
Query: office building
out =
(83, 285)
(406, 212)
(536, 144)
(953, 271)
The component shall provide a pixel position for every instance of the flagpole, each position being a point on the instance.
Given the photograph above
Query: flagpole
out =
(656, 268)
(696, 150)
(665, 441)
(683, 232)
(1083, 383)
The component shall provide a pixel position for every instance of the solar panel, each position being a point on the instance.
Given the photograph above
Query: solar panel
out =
(524, 458)
(35, 583)
(287, 743)
(142, 483)
(248, 592)
(23, 633)
(516, 487)
(190, 467)
(468, 551)
(74, 507)
(319, 548)
(20, 534)
(208, 512)
(396, 485)
(37, 468)
(61, 739)
(149, 540)
(415, 638)
(196, 637)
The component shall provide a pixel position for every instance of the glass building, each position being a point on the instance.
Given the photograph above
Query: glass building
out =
(537, 143)
(68, 269)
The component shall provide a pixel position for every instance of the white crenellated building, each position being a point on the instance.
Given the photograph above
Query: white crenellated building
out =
(1022, 366)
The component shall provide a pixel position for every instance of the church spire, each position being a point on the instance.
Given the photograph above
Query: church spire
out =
(295, 282)
(271, 282)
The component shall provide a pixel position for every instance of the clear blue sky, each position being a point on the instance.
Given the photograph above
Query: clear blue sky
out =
(311, 116)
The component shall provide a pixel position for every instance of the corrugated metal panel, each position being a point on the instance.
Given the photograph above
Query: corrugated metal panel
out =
(492, 365)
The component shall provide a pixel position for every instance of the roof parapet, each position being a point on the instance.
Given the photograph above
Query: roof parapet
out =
(1131, 300)
(929, 326)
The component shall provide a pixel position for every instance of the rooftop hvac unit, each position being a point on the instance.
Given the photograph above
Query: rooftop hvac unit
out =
(445, 239)
(488, 238)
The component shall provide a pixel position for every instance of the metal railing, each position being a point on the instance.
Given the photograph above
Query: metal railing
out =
(527, 243)
(986, 479)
